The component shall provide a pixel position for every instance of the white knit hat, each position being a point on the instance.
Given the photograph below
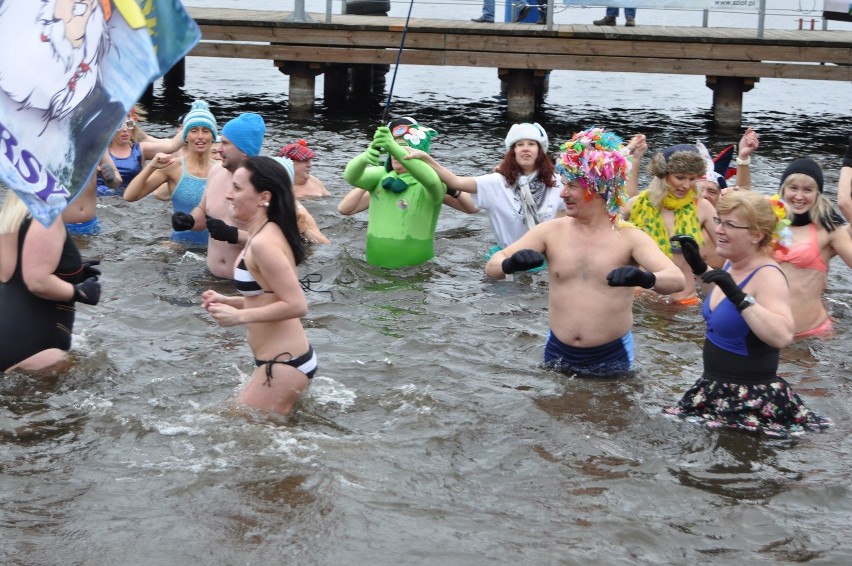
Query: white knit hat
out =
(527, 131)
(288, 166)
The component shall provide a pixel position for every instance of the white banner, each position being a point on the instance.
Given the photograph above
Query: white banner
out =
(750, 5)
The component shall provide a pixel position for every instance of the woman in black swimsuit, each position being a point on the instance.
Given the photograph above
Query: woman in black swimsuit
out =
(271, 299)
(41, 277)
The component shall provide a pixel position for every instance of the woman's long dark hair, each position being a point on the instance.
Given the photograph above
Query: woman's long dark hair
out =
(510, 169)
(266, 174)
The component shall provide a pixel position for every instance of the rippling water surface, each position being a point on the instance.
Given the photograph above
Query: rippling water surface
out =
(429, 434)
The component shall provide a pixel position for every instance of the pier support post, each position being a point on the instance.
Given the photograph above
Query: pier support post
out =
(302, 83)
(728, 99)
(520, 92)
(176, 76)
(336, 84)
(524, 90)
(361, 79)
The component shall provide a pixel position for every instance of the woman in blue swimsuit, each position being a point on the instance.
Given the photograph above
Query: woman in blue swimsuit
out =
(129, 148)
(185, 176)
(271, 301)
(748, 320)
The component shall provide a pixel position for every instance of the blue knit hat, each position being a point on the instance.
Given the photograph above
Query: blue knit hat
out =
(246, 131)
(200, 115)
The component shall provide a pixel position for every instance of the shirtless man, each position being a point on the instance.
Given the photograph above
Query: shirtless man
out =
(593, 261)
(241, 138)
(304, 184)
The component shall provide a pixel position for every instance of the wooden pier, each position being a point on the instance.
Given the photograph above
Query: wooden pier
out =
(732, 59)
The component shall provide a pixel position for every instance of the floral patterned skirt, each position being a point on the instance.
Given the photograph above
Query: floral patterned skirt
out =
(772, 408)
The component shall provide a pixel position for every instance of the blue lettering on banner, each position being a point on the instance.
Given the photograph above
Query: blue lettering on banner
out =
(40, 181)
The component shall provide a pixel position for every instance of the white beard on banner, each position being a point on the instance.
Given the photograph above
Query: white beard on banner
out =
(57, 68)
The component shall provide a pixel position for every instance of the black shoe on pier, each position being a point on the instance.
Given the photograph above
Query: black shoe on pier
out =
(482, 20)
(605, 21)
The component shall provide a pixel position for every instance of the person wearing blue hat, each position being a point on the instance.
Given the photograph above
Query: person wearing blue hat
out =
(241, 138)
(185, 176)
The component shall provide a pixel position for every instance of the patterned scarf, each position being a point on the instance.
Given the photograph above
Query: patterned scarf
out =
(531, 192)
(648, 218)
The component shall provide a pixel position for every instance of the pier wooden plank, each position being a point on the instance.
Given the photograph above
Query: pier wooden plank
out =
(529, 61)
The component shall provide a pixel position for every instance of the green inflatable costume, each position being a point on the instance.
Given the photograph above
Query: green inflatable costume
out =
(404, 206)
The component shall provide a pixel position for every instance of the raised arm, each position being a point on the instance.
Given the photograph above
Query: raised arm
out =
(453, 181)
(637, 148)
(747, 146)
(154, 174)
(418, 168)
(363, 170)
(841, 244)
(354, 202)
(152, 146)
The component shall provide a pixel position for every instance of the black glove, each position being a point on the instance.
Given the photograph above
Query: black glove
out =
(89, 291)
(630, 276)
(221, 231)
(847, 161)
(691, 253)
(522, 260)
(182, 221)
(89, 269)
(725, 282)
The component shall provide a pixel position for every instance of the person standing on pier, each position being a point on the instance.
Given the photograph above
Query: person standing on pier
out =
(487, 17)
(612, 14)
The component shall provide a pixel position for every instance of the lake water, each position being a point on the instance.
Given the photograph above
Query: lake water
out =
(429, 435)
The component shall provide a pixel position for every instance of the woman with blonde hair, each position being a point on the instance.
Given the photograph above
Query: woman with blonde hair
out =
(817, 237)
(748, 321)
(671, 205)
(271, 300)
(41, 277)
(129, 148)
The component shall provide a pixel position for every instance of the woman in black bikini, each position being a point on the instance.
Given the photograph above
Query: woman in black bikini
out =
(271, 299)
